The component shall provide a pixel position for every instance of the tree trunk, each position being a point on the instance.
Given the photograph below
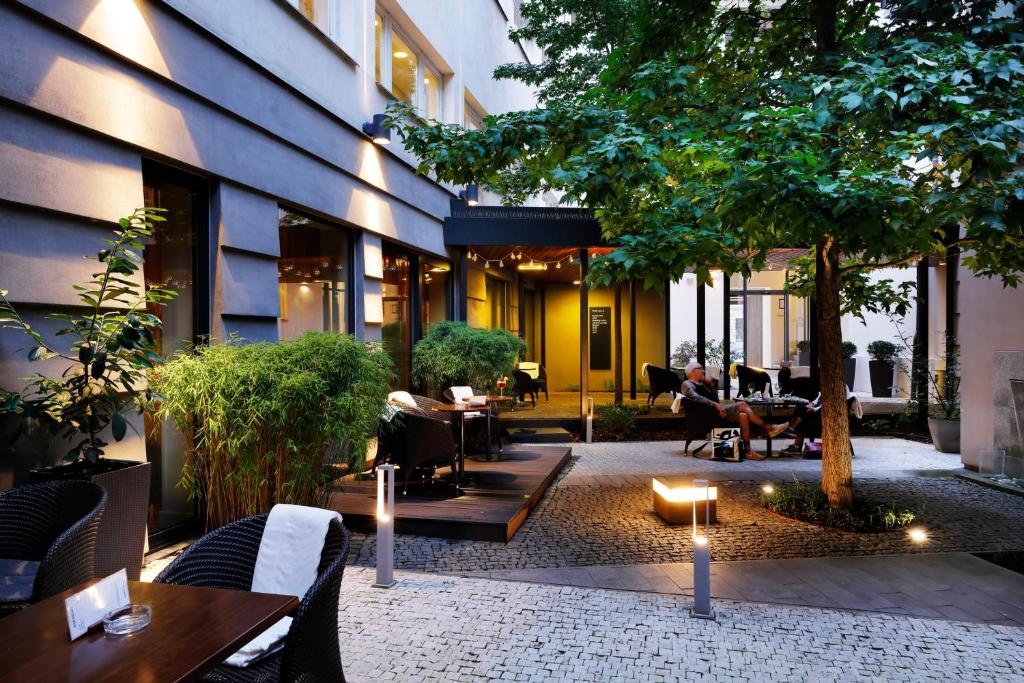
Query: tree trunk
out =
(618, 344)
(837, 452)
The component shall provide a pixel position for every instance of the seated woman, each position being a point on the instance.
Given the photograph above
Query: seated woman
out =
(698, 388)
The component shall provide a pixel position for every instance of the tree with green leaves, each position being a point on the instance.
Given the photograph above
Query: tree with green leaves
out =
(704, 134)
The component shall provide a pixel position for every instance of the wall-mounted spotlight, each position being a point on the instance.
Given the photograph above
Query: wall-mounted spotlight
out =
(377, 130)
(471, 194)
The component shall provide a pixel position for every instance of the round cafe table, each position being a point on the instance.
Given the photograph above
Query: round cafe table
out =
(458, 412)
(770, 404)
(492, 403)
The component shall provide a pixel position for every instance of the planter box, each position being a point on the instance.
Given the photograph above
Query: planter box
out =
(945, 434)
(850, 371)
(122, 534)
(881, 373)
(803, 357)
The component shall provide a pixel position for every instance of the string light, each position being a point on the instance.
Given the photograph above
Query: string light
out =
(517, 255)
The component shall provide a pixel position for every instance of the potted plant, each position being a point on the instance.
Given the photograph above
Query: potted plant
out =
(803, 348)
(944, 407)
(113, 342)
(849, 363)
(453, 353)
(882, 366)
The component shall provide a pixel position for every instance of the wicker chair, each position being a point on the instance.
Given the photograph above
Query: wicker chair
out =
(528, 386)
(701, 418)
(226, 558)
(661, 381)
(753, 377)
(47, 539)
(423, 437)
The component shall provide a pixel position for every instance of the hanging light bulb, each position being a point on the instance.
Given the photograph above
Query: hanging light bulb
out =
(487, 264)
(558, 266)
(501, 263)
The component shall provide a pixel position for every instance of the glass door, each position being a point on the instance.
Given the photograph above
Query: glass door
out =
(396, 333)
(176, 257)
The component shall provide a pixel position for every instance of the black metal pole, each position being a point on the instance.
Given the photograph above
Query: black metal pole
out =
(702, 327)
(726, 342)
(952, 345)
(919, 379)
(812, 316)
(632, 340)
(463, 288)
(584, 339)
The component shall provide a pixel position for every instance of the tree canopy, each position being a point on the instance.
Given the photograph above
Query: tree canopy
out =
(704, 134)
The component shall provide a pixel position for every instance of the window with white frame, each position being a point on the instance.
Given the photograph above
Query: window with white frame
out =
(321, 13)
(404, 71)
(472, 117)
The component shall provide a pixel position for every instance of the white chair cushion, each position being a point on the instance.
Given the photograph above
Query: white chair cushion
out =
(403, 398)
(800, 371)
(462, 395)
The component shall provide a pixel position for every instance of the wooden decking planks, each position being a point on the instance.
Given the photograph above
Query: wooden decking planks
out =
(497, 500)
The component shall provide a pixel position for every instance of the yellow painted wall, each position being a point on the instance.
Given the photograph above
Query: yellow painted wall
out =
(563, 335)
(478, 313)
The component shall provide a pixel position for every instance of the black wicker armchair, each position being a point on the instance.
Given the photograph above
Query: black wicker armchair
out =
(421, 437)
(701, 418)
(661, 381)
(226, 558)
(47, 540)
(753, 377)
(528, 386)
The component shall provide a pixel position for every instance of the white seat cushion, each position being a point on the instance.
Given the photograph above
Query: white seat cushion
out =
(462, 396)
(531, 369)
(402, 398)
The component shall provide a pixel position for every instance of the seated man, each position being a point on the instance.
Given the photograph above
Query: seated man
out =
(698, 388)
(801, 412)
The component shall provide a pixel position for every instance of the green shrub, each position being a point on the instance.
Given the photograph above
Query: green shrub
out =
(613, 422)
(883, 350)
(849, 349)
(804, 345)
(808, 503)
(573, 387)
(259, 420)
(714, 351)
(453, 353)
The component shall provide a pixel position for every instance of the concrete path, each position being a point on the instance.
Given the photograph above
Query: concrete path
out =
(954, 586)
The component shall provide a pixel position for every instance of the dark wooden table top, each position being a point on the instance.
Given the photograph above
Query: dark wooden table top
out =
(193, 630)
(491, 399)
(457, 408)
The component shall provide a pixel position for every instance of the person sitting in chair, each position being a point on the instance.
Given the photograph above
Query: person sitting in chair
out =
(801, 412)
(699, 388)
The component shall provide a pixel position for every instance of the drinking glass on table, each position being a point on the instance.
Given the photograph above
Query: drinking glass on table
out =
(502, 383)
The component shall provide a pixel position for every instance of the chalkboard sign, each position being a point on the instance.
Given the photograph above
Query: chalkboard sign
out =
(601, 338)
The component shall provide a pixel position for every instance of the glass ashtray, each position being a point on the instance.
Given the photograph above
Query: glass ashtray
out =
(127, 619)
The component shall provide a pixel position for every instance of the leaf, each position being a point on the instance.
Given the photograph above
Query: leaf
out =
(851, 100)
(118, 426)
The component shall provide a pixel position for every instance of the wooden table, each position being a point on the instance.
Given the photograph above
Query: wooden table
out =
(193, 630)
(492, 403)
(459, 410)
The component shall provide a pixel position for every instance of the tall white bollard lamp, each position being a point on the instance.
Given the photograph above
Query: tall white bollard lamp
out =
(702, 555)
(385, 527)
(590, 420)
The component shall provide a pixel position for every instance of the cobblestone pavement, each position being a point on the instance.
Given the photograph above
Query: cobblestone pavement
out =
(444, 628)
(581, 522)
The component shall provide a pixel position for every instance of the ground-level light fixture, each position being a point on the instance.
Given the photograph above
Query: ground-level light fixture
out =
(471, 195)
(702, 550)
(675, 500)
(385, 527)
(917, 535)
(378, 130)
(768, 489)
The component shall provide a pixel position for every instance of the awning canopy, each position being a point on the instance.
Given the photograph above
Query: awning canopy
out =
(517, 225)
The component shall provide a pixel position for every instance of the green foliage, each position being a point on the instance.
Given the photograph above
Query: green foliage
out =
(609, 385)
(113, 343)
(714, 351)
(808, 503)
(849, 349)
(453, 353)
(804, 345)
(260, 421)
(573, 386)
(883, 350)
(613, 422)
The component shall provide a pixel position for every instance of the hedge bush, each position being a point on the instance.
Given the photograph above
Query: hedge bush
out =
(453, 353)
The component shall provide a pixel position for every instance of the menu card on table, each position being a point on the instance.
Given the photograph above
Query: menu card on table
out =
(87, 608)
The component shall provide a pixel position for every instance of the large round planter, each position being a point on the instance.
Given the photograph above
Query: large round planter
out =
(945, 434)
(121, 540)
(850, 371)
(881, 372)
(803, 357)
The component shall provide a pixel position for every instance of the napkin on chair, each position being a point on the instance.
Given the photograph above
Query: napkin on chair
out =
(286, 564)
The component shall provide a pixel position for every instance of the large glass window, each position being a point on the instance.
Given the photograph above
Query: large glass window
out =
(496, 299)
(396, 332)
(319, 12)
(403, 69)
(434, 293)
(312, 275)
(472, 118)
(174, 257)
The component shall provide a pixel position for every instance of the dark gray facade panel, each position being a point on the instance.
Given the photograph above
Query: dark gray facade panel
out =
(68, 78)
(46, 164)
(247, 220)
(250, 329)
(246, 285)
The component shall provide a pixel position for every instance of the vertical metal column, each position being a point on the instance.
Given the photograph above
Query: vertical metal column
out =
(584, 336)
(385, 526)
(919, 378)
(726, 337)
(702, 327)
(632, 340)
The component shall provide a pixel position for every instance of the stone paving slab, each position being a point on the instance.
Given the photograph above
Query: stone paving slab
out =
(443, 628)
(955, 586)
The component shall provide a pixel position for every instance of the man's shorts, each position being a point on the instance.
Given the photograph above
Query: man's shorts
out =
(732, 412)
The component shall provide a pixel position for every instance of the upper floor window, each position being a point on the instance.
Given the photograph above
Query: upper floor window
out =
(473, 118)
(321, 13)
(402, 68)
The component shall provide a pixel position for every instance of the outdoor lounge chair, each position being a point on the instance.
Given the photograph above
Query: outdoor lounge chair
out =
(661, 381)
(700, 420)
(47, 540)
(804, 387)
(528, 386)
(420, 437)
(226, 558)
(756, 377)
(538, 374)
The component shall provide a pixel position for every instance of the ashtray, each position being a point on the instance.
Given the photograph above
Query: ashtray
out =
(127, 619)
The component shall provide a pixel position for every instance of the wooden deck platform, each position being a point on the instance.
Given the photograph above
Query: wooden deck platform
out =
(497, 499)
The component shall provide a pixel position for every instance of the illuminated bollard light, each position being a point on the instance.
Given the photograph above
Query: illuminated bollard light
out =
(702, 557)
(385, 527)
(590, 419)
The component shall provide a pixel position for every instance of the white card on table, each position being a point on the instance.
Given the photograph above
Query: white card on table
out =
(87, 608)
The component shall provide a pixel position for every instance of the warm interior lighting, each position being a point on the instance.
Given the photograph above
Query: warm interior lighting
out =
(577, 282)
(401, 54)
(918, 535)
(684, 494)
(439, 268)
(532, 265)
